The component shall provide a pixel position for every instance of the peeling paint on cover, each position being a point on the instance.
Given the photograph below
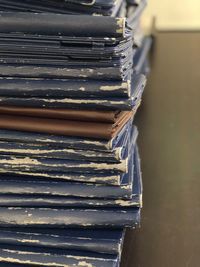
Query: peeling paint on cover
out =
(111, 104)
(101, 179)
(113, 88)
(46, 259)
(60, 165)
(84, 264)
(100, 240)
(69, 217)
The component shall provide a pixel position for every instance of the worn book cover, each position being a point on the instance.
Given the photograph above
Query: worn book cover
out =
(114, 103)
(33, 165)
(52, 52)
(23, 200)
(100, 7)
(68, 217)
(98, 240)
(33, 256)
(97, 171)
(19, 184)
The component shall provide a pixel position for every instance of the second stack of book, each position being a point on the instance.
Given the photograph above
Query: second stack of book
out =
(70, 170)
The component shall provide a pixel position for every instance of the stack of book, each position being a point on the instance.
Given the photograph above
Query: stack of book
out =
(72, 78)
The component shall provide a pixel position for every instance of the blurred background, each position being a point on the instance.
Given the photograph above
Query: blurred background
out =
(173, 14)
(169, 142)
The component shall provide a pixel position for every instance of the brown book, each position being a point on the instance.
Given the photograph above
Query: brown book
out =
(66, 114)
(101, 130)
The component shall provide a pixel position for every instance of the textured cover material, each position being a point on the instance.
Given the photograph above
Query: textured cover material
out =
(100, 7)
(66, 127)
(58, 217)
(61, 25)
(45, 45)
(100, 177)
(115, 217)
(46, 151)
(114, 103)
(20, 184)
(35, 186)
(94, 240)
(17, 163)
(32, 256)
(27, 87)
(87, 171)
(21, 200)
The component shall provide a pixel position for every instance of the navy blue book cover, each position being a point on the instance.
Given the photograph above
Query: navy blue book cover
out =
(65, 88)
(23, 200)
(18, 184)
(101, 172)
(107, 241)
(66, 201)
(104, 173)
(112, 103)
(61, 218)
(18, 163)
(58, 57)
(33, 256)
(101, 7)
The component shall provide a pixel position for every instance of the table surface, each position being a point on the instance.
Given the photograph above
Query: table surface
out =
(169, 143)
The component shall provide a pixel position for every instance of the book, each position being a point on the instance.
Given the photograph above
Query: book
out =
(64, 142)
(33, 185)
(113, 103)
(45, 45)
(33, 256)
(50, 166)
(65, 88)
(22, 200)
(46, 151)
(98, 240)
(100, 130)
(19, 163)
(100, 7)
(69, 217)
(100, 172)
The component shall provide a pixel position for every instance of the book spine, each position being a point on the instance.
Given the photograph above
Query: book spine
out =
(41, 257)
(65, 202)
(53, 176)
(31, 71)
(46, 24)
(44, 151)
(14, 87)
(98, 104)
(108, 246)
(46, 217)
(35, 186)
(55, 141)
(8, 162)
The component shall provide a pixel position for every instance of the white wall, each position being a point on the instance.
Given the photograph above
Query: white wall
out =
(173, 14)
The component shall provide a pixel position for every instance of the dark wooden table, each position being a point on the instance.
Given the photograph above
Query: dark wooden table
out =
(169, 141)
